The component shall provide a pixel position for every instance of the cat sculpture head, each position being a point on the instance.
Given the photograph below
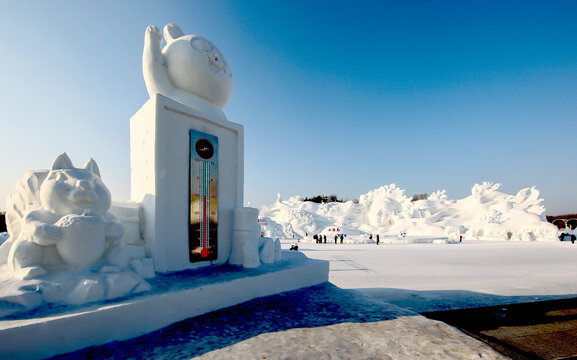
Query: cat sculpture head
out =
(195, 65)
(69, 190)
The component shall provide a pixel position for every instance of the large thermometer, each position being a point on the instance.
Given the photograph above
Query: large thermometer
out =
(202, 236)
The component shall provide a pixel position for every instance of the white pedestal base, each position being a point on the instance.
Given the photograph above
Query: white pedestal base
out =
(160, 155)
(44, 336)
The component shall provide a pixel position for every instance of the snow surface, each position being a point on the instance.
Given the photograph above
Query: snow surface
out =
(431, 277)
(370, 307)
(487, 214)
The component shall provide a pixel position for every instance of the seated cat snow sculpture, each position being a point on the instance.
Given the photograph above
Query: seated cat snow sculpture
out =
(59, 220)
(189, 69)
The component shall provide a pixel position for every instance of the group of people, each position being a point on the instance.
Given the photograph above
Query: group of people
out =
(320, 239)
(377, 238)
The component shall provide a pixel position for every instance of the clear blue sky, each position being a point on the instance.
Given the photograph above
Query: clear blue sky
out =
(336, 97)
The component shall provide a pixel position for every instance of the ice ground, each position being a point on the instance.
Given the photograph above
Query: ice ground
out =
(430, 277)
(369, 308)
(421, 277)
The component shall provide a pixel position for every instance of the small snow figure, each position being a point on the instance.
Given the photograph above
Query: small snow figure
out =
(336, 237)
(370, 236)
(342, 237)
(460, 238)
(377, 239)
(294, 247)
(325, 238)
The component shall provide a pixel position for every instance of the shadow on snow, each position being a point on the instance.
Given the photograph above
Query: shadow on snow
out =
(316, 306)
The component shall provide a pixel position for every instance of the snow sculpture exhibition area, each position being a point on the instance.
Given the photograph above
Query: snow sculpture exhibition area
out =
(487, 214)
(70, 247)
(76, 263)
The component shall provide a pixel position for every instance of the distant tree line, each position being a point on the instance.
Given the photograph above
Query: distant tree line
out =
(564, 217)
(323, 199)
(419, 197)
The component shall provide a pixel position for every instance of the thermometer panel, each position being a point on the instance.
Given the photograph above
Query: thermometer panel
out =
(203, 233)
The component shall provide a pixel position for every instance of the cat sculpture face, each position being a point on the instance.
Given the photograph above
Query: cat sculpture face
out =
(195, 65)
(69, 190)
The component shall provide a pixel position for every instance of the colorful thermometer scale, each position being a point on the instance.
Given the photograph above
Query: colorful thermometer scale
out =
(202, 236)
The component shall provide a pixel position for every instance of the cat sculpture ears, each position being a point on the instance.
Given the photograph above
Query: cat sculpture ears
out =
(172, 32)
(187, 65)
(62, 162)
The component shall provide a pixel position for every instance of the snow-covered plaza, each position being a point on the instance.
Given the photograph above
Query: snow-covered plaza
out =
(429, 277)
(402, 280)
(370, 308)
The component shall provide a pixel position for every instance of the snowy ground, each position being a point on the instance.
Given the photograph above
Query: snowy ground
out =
(369, 308)
(429, 277)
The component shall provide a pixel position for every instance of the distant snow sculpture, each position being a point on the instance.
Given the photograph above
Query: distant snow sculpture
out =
(187, 68)
(385, 205)
(61, 230)
(487, 214)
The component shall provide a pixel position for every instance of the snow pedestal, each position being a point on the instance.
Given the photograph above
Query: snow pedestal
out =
(49, 334)
(160, 152)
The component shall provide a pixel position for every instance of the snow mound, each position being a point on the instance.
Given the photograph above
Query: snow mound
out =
(487, 214)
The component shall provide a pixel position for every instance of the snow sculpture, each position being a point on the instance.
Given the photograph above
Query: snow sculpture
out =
(188, 67)
(63, 236)
(189, 82)
(385, 205)
(248, 248)
(64, 220)
(487, 214)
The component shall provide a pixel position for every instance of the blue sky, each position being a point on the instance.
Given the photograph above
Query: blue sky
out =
(336, 97)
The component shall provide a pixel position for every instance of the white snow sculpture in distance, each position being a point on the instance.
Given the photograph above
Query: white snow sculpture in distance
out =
(188, 67)
(58, 219)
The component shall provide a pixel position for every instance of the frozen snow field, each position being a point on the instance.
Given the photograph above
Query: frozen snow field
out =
(429, 277)
(418, 277)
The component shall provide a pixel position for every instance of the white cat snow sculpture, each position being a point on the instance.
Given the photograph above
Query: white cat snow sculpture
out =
(189, 69)
(59, 220)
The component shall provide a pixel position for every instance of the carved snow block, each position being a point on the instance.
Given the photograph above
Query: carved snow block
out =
(187, 169)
